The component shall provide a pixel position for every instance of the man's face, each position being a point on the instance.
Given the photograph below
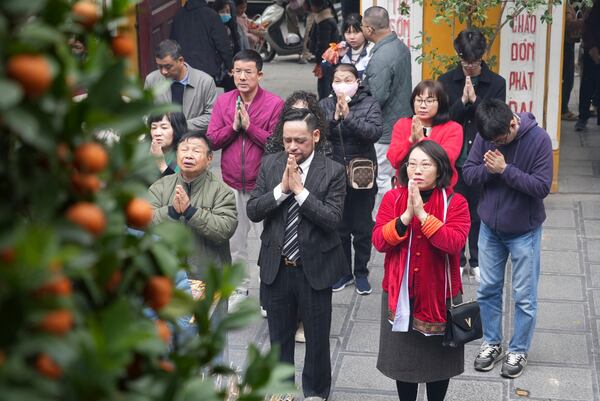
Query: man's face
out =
(171, 68)
(193, 157)
(510, 136)
(298, 141)
(246, 76)
(367, 29)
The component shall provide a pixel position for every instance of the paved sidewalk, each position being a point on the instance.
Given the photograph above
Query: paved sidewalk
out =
(564, 361)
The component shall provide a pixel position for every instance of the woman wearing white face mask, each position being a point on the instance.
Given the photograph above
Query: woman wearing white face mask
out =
(355, 115)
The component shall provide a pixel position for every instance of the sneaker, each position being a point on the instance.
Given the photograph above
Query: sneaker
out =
(462, 270)
(300, 334)
(477, 273)
(568, 116)
(581, 125)
(513, 365)
(343, 282)
(263, 312)
(362, 286)
(488, 356)
(236, 297)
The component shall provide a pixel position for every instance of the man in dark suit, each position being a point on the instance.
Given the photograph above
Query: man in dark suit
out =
(299, 195)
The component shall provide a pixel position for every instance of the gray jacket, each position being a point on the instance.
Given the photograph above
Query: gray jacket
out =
(212, 216)
(199, 96)
(388, 77)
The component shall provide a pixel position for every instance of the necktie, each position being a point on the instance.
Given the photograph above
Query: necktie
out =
(291, 247)
(177, 92)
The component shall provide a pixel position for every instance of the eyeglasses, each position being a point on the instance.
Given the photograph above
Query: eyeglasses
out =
(470, 64)
(239, 72)
(424, 166)
(429, 101)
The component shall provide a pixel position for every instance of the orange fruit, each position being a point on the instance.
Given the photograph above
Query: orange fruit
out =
(47, 367)
(57, 322)
(86, 12)
(139, 213)
(122, 46)
(32, 71)
(158, 292)
(91, 157)
(85, 183)
(88, 216)
(163, 331)
(60, 286)
(167, 366)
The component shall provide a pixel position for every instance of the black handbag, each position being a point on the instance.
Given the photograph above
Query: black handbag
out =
(463, 321)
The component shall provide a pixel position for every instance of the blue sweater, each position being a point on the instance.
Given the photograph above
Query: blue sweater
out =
(512, 202)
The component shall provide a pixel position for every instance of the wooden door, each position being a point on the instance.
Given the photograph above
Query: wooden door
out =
(154, 18)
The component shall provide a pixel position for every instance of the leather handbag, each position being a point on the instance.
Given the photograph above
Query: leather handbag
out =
(463, 321)
(361, 171)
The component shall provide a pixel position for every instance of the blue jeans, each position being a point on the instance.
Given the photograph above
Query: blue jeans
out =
(524, 250)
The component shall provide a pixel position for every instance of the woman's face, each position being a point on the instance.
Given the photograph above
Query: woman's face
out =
(421, 169)
(354, 38)
(344, 77)
(426, 107)
(162, 132)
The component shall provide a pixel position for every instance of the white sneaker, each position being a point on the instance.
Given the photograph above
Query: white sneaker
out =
(477, 273)
(236, 297)
(300, 334)
(462, 270)
(263, 312)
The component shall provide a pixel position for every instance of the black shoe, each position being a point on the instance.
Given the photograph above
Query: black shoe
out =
(581, 125)
(513, 365)
(362, 286)
(343, 282)
(487, 357)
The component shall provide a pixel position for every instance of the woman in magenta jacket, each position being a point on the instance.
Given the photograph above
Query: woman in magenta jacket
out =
(419, 226)
(431, 120)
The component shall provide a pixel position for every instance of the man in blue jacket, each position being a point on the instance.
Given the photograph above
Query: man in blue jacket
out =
(512, 159)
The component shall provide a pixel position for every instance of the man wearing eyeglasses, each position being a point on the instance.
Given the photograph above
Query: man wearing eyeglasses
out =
(467, 85)
(193, 89)
(241, 122)
(511, 159)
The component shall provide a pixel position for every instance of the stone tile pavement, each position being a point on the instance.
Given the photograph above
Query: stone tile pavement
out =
(564, 361)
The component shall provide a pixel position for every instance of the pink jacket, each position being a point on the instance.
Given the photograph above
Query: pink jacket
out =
(242, 151)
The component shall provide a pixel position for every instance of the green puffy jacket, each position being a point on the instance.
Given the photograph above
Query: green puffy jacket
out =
(212, 216)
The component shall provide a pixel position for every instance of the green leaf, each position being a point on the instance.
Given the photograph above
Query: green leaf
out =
(198, 389)
(22, 7)
(11, 94)
(27, 127)
(38, 32)
(166, 259)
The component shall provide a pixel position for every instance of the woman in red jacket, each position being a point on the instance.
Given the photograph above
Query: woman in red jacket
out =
(419, 226)
(431, 120)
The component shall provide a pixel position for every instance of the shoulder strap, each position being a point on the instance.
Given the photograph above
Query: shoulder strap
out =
(339, 130)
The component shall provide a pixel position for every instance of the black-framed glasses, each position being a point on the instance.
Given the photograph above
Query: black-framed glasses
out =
(428, 101)
(424, 166)
(470, 64)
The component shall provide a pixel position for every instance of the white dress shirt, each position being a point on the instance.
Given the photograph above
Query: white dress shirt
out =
(301, 197)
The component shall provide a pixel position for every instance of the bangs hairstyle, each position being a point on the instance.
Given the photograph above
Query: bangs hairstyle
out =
(178, 123)
(346, 67)
(438, 155)
(493, 118)
(352, 21)
(312, 123)
(249, 55)
(470, 45)
(168, 47)
(198, 135)
(436, 90)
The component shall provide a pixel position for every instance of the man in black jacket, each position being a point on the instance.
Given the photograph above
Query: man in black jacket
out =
(203, 38)
(467, 86)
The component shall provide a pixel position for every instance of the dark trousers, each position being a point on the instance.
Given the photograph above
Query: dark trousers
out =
(590, 86)
(324, 83)
(568, 75)
(291, 298)
(472, 194)
(357, 227)
(436, 391)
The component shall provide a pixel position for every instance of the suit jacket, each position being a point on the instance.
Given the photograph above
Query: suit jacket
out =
(321, 253)
(199, 96)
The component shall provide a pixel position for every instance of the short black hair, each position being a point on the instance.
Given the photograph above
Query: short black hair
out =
(435, 89)
(312, 123)
(178, 123)
(470, 45)
(353, 21)
(168, 47)
(319, 4)
(249, 55)
(439, 157)
(493, 118)
(198, 135)
(346, 67)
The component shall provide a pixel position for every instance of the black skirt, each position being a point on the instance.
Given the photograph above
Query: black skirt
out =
(413, 357)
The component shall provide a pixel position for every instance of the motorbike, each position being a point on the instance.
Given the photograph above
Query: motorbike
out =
(271, 28)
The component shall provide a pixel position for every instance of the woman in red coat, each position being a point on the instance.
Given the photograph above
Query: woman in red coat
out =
(431, 120)
(419, 226)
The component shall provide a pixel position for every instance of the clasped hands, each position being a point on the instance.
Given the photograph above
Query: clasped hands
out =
(414, 205)
(341, 108)
(291, 180)
(416, 130)
(241, 119)
(468, 95)
(494, 161)
(181, 201)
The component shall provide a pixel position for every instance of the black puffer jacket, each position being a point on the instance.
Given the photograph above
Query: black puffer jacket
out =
(360, 129)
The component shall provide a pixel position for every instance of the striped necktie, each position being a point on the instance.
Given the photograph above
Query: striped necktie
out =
(291, 246)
